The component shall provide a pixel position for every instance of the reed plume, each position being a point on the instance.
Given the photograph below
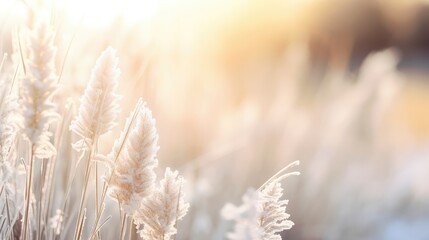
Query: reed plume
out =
(38, 88)
(158, 215)
(99, 106)
(273, 218)
(262, 216)
(133, 176)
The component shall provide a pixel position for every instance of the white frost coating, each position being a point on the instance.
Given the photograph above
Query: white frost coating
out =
(133, 176)
(99, 108)
(160, 212)
(38, 88)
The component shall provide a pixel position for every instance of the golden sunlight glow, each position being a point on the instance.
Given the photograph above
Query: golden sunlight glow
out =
(99, 98)
(97, 13)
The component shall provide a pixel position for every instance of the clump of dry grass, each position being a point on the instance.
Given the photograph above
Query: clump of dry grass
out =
(131, 177)
(50, 211)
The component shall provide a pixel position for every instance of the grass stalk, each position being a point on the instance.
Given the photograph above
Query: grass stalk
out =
(28, 193)
(78, 229)
(123, 223)
(40, 200)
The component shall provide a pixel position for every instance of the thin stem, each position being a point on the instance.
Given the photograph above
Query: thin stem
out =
(96, 189)
(52, 165)
(67, 52)
(21, 53)
(123, 221)
(2, 61)
(28, 193)
(96, 221)
(14, 77)
(39, 210)
(69, 186)
(130, 236)
(80, 224)
(83, 198)
(280, 175)
(102, 224)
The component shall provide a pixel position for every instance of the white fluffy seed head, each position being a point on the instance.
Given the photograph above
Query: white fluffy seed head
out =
(38, 88)
(273, 218)
(133, 176)
(262, 216)
(119, 143)
(99, 106)
(160, 212)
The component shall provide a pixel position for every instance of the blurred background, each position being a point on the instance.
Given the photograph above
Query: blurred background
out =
(242, 88)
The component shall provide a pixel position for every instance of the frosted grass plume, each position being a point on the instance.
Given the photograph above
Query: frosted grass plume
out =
(262, 216)
(132, 173)
(99, 108)
(158, 215)
(38, 88)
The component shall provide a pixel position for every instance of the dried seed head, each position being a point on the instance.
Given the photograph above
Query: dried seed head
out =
(133, 176)
(38, 88)
(160, 212)
(99, 106)
(262, 216)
